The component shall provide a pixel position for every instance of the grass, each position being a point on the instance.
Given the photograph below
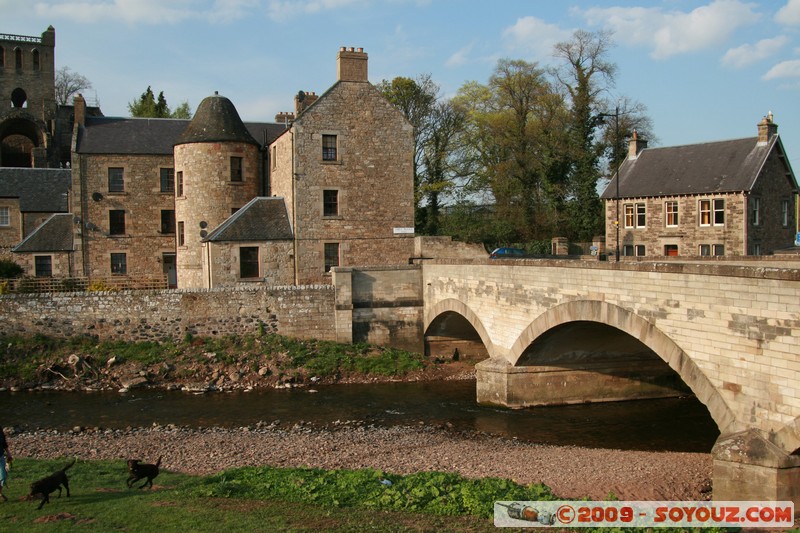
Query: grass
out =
(255, 499)
(263, 499)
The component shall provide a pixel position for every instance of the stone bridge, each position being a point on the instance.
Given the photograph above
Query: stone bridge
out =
(570, 331)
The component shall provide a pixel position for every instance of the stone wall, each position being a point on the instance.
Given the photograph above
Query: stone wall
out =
(428, 247)
(302, 312)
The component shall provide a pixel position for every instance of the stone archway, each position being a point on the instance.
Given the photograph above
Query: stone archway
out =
(457, 307)
(640, 329)
(20, 138)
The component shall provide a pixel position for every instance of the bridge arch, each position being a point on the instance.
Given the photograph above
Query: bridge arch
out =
(451, 305)
(639, 328)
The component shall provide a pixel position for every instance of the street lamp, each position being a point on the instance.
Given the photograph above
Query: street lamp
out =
(614, 156)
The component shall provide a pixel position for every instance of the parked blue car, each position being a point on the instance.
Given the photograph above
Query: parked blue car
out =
(507, 253)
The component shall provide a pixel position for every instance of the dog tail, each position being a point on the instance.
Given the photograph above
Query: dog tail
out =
(158, 463)
(69, 465)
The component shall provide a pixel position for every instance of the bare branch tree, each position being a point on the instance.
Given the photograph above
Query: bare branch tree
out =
(68, 84)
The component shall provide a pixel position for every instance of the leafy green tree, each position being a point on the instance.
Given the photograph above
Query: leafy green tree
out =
(147, 105)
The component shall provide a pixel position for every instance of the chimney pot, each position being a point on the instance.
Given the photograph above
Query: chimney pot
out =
(352, 65)
(766, 129)
(635, 145)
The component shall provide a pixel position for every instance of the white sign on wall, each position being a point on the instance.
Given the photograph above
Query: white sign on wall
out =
(403, 230)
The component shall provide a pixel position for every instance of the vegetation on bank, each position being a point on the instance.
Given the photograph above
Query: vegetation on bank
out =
(262, 499)
(250, 360)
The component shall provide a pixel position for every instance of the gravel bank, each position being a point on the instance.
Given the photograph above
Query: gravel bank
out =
(572, 472)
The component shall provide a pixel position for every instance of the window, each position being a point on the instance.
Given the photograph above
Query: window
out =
(119, 263)
(274, 157)
(628, 208)
(755, 212)
(116, 179)
(248, 262)
(719, 249)
(5, 217)
(671, 250)
(236, 169)
(329, 147)
(671, 213)
(719, 212)
(18, 58)
(2, 57)
(331, 255)
(330, 203)
(755, 249)
(36, 60)
(179, 183)
(116, 222)
(784, 213)
(181, 241)
(168, 221)
(641, 219)
(640, 250)
(167, 179)
(43, 265)
(627, 250)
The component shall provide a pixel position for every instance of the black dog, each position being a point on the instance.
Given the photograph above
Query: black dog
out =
(45, 486)
(138, 470)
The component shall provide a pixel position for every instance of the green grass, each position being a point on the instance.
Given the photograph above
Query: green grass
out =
(262, 499)
(255, 499)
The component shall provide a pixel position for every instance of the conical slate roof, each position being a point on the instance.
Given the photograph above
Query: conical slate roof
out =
(216, 120)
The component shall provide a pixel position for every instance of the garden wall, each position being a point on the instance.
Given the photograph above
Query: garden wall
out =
(296, 311)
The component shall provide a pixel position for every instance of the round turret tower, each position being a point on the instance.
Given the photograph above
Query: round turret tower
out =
(216, 173)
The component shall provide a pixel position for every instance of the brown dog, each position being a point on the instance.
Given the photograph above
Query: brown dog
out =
(45, 486)
(138, 470)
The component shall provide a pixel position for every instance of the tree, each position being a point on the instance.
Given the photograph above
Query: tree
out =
(585, 74)
(69, 83)
(515, 144)
(149, 106)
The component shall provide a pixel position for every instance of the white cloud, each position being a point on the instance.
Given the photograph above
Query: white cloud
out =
(131, 11)
(671, 33)
(789, 14)
(535, 37)
(459, 58)
(286, 9)
(747, 54)
(784, 69)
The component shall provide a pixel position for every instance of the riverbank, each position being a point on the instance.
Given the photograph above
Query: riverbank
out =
(572, 472)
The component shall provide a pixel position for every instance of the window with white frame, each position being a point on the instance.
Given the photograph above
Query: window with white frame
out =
(5, 216)
(785, 213)
(329, 148)
(671, 214)
(719, 211)
(641, 216)
(755, 212)
(628, 215)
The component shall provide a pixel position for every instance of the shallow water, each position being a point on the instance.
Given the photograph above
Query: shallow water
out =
(676, 424)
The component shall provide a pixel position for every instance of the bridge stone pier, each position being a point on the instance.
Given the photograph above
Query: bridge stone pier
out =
(570, 331)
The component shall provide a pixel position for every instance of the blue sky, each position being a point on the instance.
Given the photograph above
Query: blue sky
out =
(705, 69)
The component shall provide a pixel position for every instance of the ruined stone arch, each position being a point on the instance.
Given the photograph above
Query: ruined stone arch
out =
(456, 306)
(20, 133)
(641, 329)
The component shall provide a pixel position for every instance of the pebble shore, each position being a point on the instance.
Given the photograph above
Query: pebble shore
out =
(572, 472)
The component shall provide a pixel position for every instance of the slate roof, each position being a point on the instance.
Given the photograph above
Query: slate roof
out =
(40, 190)
(216, 120)
(150, 136)
(135, 136)
(706, 168)
(261, 219)
(54, 235)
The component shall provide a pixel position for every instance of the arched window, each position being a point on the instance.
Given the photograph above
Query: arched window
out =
(18, 58)
(36, 60)
(18, 97)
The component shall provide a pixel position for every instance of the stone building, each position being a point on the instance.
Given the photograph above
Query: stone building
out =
(209, 201)
(725, 198)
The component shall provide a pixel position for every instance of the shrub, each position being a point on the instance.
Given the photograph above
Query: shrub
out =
(9, 269)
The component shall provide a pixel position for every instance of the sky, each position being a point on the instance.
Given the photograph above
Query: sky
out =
(706, 70)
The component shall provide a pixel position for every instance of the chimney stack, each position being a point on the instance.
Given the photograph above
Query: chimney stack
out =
(766, 129)
(79, 108)
(351, 64)
(635, 145)
(302, 100)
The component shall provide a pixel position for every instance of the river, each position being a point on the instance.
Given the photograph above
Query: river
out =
(675, 424)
